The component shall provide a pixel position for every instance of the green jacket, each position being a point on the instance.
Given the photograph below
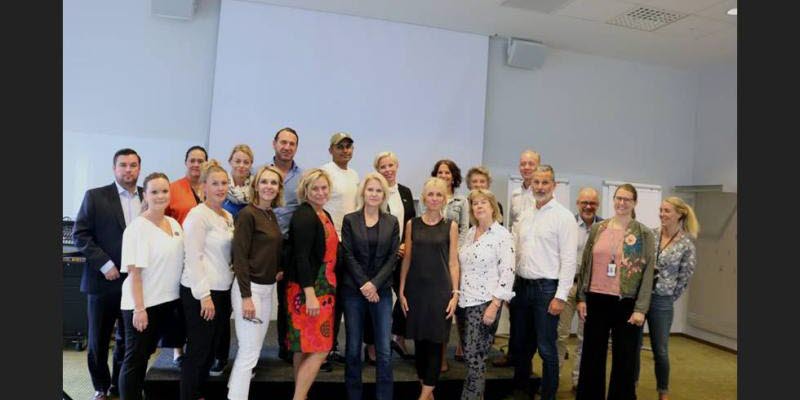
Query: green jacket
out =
(635, 269)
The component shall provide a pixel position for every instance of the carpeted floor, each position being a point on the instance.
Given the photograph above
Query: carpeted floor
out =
(699, 371)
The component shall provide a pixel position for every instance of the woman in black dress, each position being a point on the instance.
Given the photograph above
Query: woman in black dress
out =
(429, 283)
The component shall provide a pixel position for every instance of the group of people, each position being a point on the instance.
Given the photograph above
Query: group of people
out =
(172, 262)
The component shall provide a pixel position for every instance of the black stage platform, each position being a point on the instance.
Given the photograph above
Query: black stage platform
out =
(273, 378)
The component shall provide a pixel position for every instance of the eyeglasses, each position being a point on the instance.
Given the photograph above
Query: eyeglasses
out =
(254, 320)
(623, 199)
(587, 203)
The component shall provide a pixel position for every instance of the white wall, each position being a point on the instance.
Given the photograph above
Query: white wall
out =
(132, 79)
(715, 157)
(592, 118)
(390, 85)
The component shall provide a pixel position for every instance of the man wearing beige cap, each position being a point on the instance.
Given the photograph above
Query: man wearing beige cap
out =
(342, 201)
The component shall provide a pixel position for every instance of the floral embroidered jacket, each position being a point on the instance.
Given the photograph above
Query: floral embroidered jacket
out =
(636, 267)
(675, 266)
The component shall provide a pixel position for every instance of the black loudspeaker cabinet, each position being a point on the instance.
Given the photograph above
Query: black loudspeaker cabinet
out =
(75, 321)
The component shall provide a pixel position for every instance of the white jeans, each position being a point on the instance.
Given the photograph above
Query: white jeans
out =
(250, 337)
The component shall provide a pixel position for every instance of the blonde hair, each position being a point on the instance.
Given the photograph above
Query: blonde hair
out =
(383, 155)
(688, 219)
(308, 179)
(437, 183)
(209, 167)
(478, 193)
(362, 187)
(244, 149)
(533, 153)
(256, 199)
(479, 170)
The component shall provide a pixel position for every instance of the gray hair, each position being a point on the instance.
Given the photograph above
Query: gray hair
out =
(546, 168)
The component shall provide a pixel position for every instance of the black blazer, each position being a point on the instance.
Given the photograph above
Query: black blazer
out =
(408, 203)
(356, 250)
(306, 245)
(98, 234)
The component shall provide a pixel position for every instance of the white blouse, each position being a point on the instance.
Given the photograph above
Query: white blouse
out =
(159, 255)
(487, 266)
(208, 251)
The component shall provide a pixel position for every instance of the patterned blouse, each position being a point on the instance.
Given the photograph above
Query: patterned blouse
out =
(675, 266)
(487, 266)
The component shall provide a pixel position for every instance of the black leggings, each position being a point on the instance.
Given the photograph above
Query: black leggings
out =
(204, 339)
(428, 359)
(140, 345)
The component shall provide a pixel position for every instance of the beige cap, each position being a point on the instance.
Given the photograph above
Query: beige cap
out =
(338, 137)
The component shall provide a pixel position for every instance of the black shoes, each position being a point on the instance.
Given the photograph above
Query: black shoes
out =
(327, 366)
(99, 396)
(503, 361)
(218, 367)
(400, 352)
(285, 355)
(334, 356)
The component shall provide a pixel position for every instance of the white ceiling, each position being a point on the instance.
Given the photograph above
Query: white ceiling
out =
(707, 35)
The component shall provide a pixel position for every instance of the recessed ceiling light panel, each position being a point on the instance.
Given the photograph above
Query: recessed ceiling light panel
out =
(646, 18)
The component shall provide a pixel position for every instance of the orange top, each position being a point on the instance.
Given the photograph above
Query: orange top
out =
(181, 199)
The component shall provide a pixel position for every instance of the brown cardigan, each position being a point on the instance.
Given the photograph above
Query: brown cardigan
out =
(257, 244)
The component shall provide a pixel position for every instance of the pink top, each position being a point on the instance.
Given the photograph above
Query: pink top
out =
(609, 240)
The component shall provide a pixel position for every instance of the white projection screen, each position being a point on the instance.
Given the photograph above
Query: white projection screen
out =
(418, 91)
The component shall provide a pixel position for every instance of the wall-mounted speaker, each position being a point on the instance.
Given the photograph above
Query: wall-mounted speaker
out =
(525, 54)
(177, 9)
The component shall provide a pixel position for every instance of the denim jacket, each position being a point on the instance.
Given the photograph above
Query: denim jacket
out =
(636, 267)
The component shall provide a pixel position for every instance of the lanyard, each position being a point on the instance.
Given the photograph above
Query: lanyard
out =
(613, 241)
(660, 249)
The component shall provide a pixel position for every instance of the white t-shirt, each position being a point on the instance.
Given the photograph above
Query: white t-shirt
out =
(207, 240)
(343, 194)
(160, 256)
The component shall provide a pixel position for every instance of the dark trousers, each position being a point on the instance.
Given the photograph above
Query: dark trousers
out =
(173, 335)
(606, 313)
(338, 306)
(535, 329)
(398, 321)
(103, 311)
(357, 312)
(139, 346)
(398, 318)
(223, 349)
(428, 360)
(659, 319)
(203, 339)
(283, 318)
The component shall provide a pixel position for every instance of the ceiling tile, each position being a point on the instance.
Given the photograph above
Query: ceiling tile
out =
(687, 6)
(595, 10)
(542, 6)
(719, 11)
(693, 27)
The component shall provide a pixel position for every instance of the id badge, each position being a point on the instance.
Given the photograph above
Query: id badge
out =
(612, 269)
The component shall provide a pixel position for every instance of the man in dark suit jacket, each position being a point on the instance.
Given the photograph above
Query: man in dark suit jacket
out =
(103, 216)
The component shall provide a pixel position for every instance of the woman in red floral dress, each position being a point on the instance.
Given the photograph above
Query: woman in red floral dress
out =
(311, 286)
